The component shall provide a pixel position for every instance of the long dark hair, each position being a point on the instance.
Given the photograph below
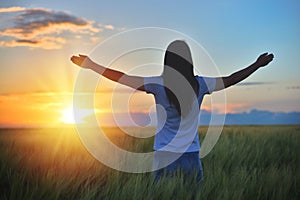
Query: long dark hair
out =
(178, 57)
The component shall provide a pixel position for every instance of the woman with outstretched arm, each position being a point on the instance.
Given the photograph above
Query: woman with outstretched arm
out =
(177, 100)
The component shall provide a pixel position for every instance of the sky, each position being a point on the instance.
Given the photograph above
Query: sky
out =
(37, 39)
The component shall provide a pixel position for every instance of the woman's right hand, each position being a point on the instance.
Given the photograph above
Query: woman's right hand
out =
(82, 61)
(264, 59)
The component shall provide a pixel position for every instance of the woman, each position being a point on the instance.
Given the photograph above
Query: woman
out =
(179, 94)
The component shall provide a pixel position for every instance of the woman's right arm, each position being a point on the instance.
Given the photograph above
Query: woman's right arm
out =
(225, 82)
(134, 82)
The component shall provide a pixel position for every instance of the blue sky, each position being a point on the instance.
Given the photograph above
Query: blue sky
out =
(234, 33)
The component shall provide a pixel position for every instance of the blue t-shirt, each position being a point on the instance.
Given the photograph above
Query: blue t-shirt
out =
(168, 119)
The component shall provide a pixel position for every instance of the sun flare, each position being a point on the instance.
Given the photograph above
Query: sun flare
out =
(68, 116)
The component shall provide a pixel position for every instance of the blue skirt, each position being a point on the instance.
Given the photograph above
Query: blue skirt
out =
(187, 165)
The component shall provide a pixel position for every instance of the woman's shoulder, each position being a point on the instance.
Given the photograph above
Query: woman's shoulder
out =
(198, 78)
(153, 84)
(153, 79)
(207, 84)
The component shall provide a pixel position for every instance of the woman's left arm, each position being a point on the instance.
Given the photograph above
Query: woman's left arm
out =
(135, 82)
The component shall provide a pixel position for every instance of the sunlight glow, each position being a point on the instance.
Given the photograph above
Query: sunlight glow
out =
(69, 118)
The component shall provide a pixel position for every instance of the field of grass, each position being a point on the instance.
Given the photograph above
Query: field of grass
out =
(248, 162)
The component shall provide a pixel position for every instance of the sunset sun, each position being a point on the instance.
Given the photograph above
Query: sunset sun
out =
(69, 118)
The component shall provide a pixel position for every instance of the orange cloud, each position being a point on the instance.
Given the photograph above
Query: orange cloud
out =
(38, 27)
(229, 107)
(42, 108)
(45, 43)
(46, 108)
(11, 9)
(30, 109)
(109, 26)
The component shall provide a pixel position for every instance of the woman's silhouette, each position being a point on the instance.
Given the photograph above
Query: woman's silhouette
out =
(180, 93)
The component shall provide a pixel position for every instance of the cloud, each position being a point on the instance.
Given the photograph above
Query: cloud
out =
(263, 117)
(39, 27)
(258, 117)
(46, 108)
(45, 43)
(109, 26)
(253, 83)
(11, 9)
(294, 87)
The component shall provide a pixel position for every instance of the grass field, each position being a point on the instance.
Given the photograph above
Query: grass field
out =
(248, 162)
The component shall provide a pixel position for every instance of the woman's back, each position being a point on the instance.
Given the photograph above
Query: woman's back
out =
(176, 133)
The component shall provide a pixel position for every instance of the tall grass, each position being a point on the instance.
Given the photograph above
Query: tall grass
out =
(248, 162)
